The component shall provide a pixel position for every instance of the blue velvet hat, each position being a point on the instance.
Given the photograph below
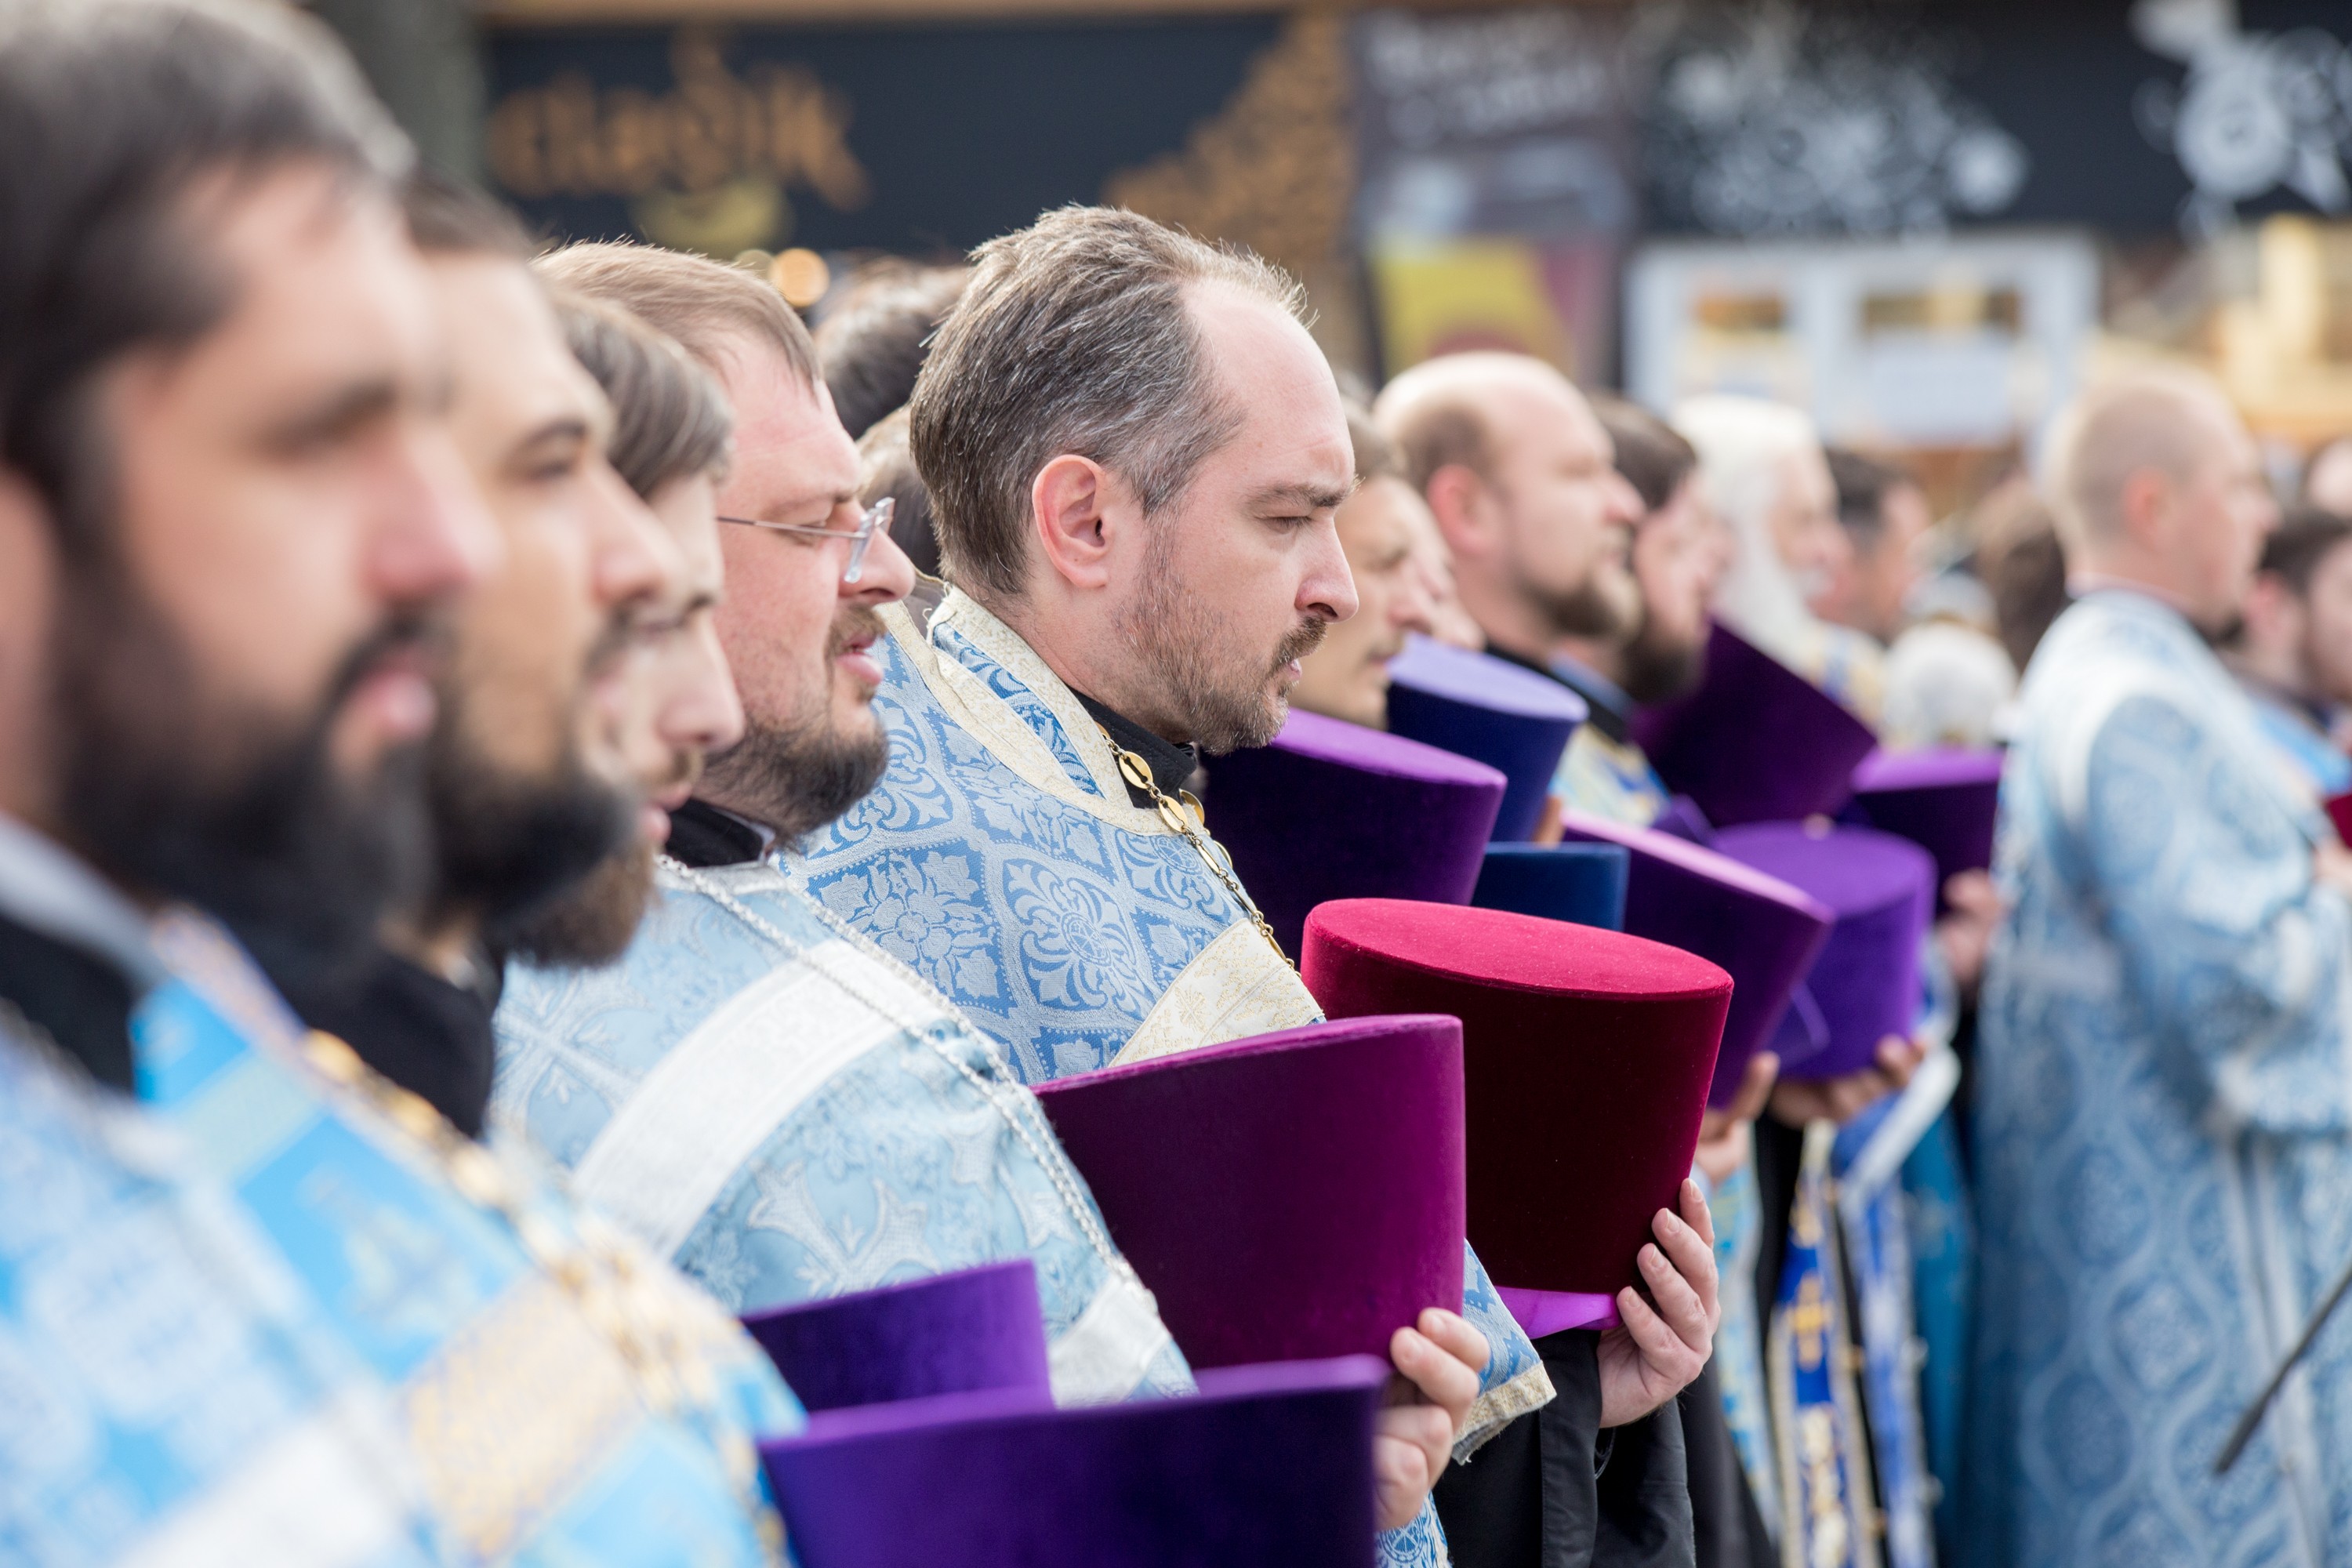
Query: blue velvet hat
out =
(1504, 714)
(1267, 1467)
(1583, 884)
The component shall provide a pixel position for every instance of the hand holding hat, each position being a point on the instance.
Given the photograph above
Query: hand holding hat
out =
(1438, 1362)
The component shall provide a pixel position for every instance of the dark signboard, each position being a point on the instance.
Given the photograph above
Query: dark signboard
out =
(910, 139)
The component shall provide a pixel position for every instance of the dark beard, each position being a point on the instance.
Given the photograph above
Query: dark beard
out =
(183, 797)
(1172, 630)
(596, 920)
(1586, 611)
(1653, 671)
(510, 846)
(795, 778)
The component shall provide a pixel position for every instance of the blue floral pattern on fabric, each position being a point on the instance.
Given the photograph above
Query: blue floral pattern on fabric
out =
(893, 1168)
(2164, 1173)
(1056, 930)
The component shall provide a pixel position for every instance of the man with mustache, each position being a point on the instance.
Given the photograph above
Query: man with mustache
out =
(758, 1088)
(1136, 453)
(260, 1303)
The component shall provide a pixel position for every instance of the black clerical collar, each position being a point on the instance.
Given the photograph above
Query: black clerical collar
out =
(1612, 710)
(1171, 765)
(704, 836)
(74, 958)
(425, 1034)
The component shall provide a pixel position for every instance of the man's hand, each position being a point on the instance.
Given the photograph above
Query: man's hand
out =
(1661, 1350)
(1840, 1100)
(1436, 1382)
(1966, 931)
(1723, 1135)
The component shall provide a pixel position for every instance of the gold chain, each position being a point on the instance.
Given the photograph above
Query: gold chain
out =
(605, 1277)
(1189, 820)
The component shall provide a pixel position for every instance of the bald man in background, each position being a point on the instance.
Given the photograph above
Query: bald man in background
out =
(2164, 1161)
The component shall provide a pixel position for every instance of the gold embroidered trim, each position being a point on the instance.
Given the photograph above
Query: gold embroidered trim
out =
(1498, 1407)
(1237, 986)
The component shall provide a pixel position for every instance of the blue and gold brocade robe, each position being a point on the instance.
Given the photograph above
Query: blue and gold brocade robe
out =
(523, 1434)
(810, 1121)
(2163, 1124)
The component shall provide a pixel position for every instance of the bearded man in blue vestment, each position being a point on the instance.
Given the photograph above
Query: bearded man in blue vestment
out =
(1135, 453)
(2164, 1161)
(258, 1302)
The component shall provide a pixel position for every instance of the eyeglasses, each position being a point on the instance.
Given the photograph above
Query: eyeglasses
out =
(874, 519)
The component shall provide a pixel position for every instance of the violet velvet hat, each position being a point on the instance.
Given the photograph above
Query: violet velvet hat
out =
(1764, 932)
(951, 1333)
(1480, 706)
(1333, 810)
(1756, 742)
(1267, 1467)
(1586, 1059)
(1865, 983)
(1290, 1195)
(1583, 884)
(1945, 801)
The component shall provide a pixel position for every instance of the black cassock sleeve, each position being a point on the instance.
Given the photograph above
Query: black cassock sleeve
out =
(1552, 1490)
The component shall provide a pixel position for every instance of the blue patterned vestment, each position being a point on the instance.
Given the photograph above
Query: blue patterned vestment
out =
(2164, 1175)
(1001, 859)
(532, 1438)
(162, 1398)
(806, 1119)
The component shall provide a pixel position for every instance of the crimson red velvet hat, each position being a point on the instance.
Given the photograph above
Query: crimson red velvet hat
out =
(1945, 801)
(1756, 742)
(951, 1333)
(1866, 980)
(1764, 932)
(1267, 1467)
(1502, 713)
(1293, 1194)
(1332, 810)
(1586, 1059)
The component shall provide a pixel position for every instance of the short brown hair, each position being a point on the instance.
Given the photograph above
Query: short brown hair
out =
(1651, 456)
(671, 421)
(1376, 456)
(1074, 336)
(872, 341)
(704, 305)
(885, 468)
(447, 216)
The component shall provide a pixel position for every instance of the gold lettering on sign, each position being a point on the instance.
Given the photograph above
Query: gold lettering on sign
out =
(776, 124)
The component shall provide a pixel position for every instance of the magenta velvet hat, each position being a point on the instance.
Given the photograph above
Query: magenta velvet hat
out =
(1945, 801)
(1756, 742)
(1865, 983)
(1332, 810)
(1267, 1467)
(1764, 932)
(1580, 883)
(951, 1333)
(1504, 714)
(1290, 1195)
(1586, 1058)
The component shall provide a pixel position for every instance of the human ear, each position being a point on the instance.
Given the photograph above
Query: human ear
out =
(2145, 506)
(1067, 503)
(1453, 494)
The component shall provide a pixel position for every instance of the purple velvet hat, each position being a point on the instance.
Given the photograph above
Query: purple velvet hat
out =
(1865, 983)
(1765, 933)
(1480, 706)
(1583, 884)
(1945, 801)
(1332, 810)
(1757, 742)
(1290, 1195)
(951, 1333)
(1267, 1467)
